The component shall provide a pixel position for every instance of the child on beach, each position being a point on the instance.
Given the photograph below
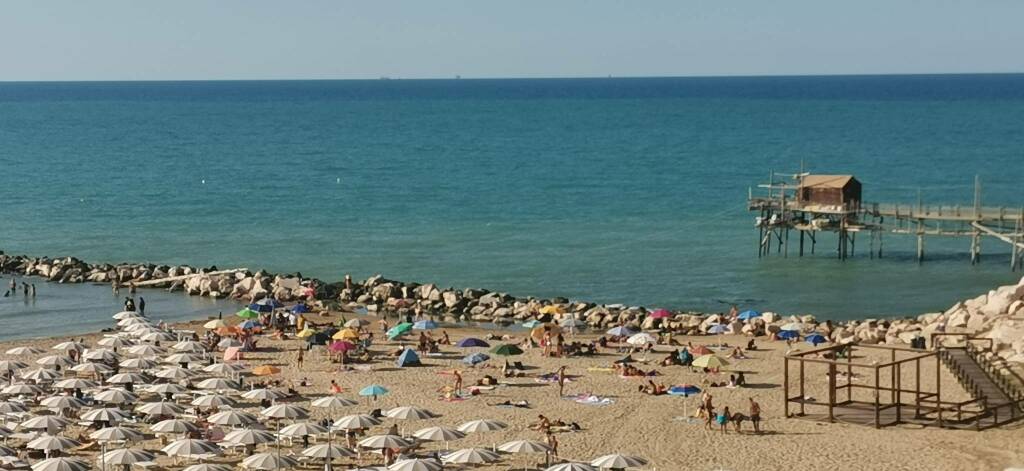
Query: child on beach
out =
(723, 419)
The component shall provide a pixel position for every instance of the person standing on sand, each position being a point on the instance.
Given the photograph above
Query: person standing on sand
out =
(561, 381)
(142, 305)
(298, 359)
(552, 443)
(723, 420)
(755, 415)
(458, 381)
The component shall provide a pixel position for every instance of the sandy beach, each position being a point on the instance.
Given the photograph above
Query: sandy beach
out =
(632, 423)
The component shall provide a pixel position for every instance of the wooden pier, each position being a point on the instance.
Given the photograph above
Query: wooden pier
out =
(813, 204)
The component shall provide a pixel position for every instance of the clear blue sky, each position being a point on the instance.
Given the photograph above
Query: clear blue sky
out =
(258, 39)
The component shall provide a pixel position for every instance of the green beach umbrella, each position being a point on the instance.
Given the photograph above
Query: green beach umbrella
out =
(399, 330)
(507, 350)
(247, 314)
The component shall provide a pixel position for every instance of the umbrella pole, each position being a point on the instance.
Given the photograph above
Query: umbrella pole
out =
(103, 456)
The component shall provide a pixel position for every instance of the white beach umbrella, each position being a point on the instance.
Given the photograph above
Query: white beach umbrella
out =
(138, 364)
(218, 384)
(471, 456)
(166, 388)
(116, 396)
(352, 422)
(62, 402)
(91, 368)
(62, 463)
(145, 350)
(641, 339)
(797, 326)
(69, 345)
(182, 358)
(524, 446)
(482, 425)
(12, 365)
(126, 314)
(109, 434)
(175, 373)
(438, 434)
(409, 413)
(160, 408)
(159, 336)
(416, 464)
(49, 423)
(618, 461)
(49, 443)
(125, 456)
(39, 374)
(128, 378)
(265, 461)
(189, 346)
(208, 467)
(327, 452)
(138, 330)
(55, 360)
(261, 394)
(384, 441)
(188, 448)
(285, 411)
(115, 342)
(101, 354)
(357, 323)
(229, 342)
(213, 401)
(223, 368)
(250, 437)
(571, 467)
(300, 429)
(232, 418)
(105, 414)
(10, 407)
(24, 351)
(21, 388)
(333, 402)
(173, 426)
(74, 383)
(127, 321)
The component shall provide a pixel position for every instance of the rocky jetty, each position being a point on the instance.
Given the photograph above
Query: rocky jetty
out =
(998, 314)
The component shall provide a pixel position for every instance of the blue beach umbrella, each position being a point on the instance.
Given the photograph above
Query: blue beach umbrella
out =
(718, 329)
(532, 323)
(300, 309)
(260, 307)
(683, 390)
(425, 325)
(815, 339)
(373, 390)
(470, 342)
(748, 315)
(788, 334)
(250, 324)
(620, 331)
(476, 358)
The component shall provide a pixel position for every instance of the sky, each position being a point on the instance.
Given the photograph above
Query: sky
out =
(57, 40)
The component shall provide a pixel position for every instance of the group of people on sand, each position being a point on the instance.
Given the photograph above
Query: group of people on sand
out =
(723, 417)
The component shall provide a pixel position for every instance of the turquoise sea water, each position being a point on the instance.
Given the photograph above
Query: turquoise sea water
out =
(613, 190)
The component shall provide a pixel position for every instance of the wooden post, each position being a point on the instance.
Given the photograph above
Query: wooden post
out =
(877, 410)
(785, 387)
(831, 391)
(938, 386)
(917, 388)
(892, 375)
(802, 394)
(801, 243)
(879, 244)
(849, 375)
(899, 384)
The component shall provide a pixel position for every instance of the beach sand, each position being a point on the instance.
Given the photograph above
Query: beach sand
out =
(634, 424)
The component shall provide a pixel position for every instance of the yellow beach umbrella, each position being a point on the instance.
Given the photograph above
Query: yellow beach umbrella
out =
(305, 333)
(265, 370)
(215, 324)
(346, 334)
(709, 361)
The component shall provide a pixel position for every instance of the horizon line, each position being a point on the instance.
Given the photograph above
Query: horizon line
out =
(460, 77)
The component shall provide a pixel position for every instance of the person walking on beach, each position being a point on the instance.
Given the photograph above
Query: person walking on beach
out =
(458, 381)
(755, 415)
(114, 288)
(552, 443)
(561, 381)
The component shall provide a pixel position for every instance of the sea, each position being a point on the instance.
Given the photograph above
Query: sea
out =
(614, 190)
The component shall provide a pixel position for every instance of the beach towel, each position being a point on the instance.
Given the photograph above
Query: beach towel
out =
(591, 400)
